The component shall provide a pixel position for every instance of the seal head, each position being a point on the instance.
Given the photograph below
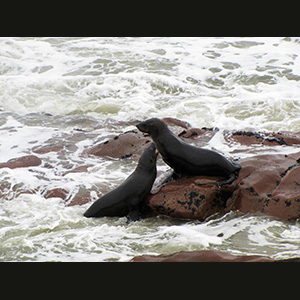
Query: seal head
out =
(153, 126)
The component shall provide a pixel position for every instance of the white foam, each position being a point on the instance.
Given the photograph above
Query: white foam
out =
(195, 78)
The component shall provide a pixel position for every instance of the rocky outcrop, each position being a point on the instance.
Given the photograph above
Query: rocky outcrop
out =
(268, 184)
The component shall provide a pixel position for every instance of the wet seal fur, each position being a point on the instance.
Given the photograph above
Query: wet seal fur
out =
(188, 159)
(125, 199)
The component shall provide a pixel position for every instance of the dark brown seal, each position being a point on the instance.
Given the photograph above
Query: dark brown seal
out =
(185, 158)
(125, 199)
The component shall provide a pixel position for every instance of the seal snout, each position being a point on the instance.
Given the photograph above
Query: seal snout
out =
(153, 150)
(141, 127)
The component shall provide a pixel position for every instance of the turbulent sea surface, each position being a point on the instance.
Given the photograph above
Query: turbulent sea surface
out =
(80, 91)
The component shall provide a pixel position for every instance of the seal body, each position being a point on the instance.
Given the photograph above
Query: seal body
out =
(185, 158)
(125, 199)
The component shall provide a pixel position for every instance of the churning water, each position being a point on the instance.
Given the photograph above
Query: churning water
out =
(80, 91)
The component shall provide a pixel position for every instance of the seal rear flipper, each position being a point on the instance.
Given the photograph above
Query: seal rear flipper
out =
(133, 214)
(237, 165)
(229, 180)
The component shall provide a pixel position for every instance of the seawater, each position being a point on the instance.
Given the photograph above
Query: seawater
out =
(81, 91)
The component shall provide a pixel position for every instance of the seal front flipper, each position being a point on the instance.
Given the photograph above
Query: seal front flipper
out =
(174, 176)
(229, 180)
(133, 214)
(232, 176)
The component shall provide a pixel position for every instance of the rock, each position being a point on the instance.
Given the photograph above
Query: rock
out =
(47, 148)
(176, 122)
(201, 256)
(131, 144)
(263, 138)
(122, 146)
(267, 184)
(198, 137)
(190, 197)
(83, 196)
(22, 162)
(79, 169)
(57, 193)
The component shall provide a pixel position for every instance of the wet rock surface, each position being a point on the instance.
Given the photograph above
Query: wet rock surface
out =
(22, 162)
(190, 197)
(208, 256)
(121, 146)
(267, 184)
(263, 138)
(202, 256)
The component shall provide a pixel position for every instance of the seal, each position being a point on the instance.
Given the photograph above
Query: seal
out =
(125, 199)
(188, 159)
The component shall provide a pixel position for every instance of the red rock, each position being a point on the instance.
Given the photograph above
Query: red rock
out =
(285, 200)
(201, 256)
(83, 196)
(22, 162)
(289, 185)
(176, 122)
(57, 193)
(47, 149)
(268, 184)
(263, 138)
(122, 146)
(289, 138)
(78, 170)
(29, 192)
(190, 197)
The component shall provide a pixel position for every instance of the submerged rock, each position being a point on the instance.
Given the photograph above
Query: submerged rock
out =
(56, 193)
(202, 256)
(22, 162)
(83, 196)
(47, 148)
